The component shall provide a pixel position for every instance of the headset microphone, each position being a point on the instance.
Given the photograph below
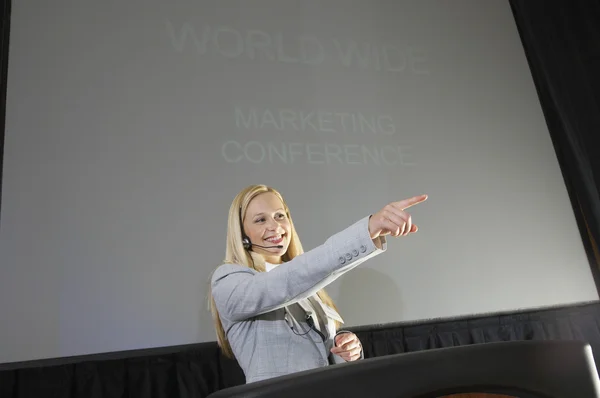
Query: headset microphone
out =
(247, 245)
(269, 247)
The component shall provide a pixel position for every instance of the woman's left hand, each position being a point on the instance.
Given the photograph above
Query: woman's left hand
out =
(347, 346)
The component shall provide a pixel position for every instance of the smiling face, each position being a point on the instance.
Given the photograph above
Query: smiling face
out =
(266, 224)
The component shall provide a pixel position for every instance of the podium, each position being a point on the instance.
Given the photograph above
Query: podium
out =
(523, 369)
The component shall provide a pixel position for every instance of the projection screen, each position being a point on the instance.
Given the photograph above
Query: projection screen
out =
(131, 126)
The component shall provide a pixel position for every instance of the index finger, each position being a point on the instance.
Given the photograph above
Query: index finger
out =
(406, 203)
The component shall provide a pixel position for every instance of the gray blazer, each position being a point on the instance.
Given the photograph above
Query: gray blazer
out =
(254, 306)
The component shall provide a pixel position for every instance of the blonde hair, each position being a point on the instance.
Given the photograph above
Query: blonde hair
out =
(236, 254)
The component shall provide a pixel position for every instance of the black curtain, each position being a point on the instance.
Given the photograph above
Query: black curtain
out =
(562, 44)
(196, 371)
(579, 322)
(4, 40)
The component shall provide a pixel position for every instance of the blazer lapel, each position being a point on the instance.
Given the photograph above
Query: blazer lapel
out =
(323, 316)
(327, 323)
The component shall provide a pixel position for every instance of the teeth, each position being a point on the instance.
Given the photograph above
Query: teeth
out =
(274, 238)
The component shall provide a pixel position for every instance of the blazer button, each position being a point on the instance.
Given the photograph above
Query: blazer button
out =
(348, 256)
(342, 260)
(355, 252)
(363, 248)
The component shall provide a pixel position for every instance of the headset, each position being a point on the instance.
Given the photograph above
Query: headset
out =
(248, 247)
(246, 241)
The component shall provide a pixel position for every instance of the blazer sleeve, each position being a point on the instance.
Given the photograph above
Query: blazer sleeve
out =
(241, 292)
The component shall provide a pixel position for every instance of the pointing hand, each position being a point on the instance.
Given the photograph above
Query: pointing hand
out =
(393, 219)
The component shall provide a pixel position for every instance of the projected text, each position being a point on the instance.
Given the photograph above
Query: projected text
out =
(315, 121)
(316, 153)
(317, 130)
(231, 43)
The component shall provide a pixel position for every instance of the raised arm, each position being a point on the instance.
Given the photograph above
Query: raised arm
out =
(241, 292)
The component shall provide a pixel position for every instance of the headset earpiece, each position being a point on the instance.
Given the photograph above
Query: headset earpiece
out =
(245, 239)
(246, 243)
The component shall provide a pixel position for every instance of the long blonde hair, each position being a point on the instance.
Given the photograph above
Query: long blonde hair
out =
(236, 254)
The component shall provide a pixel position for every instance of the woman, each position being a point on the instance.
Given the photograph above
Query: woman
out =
(267, 299)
